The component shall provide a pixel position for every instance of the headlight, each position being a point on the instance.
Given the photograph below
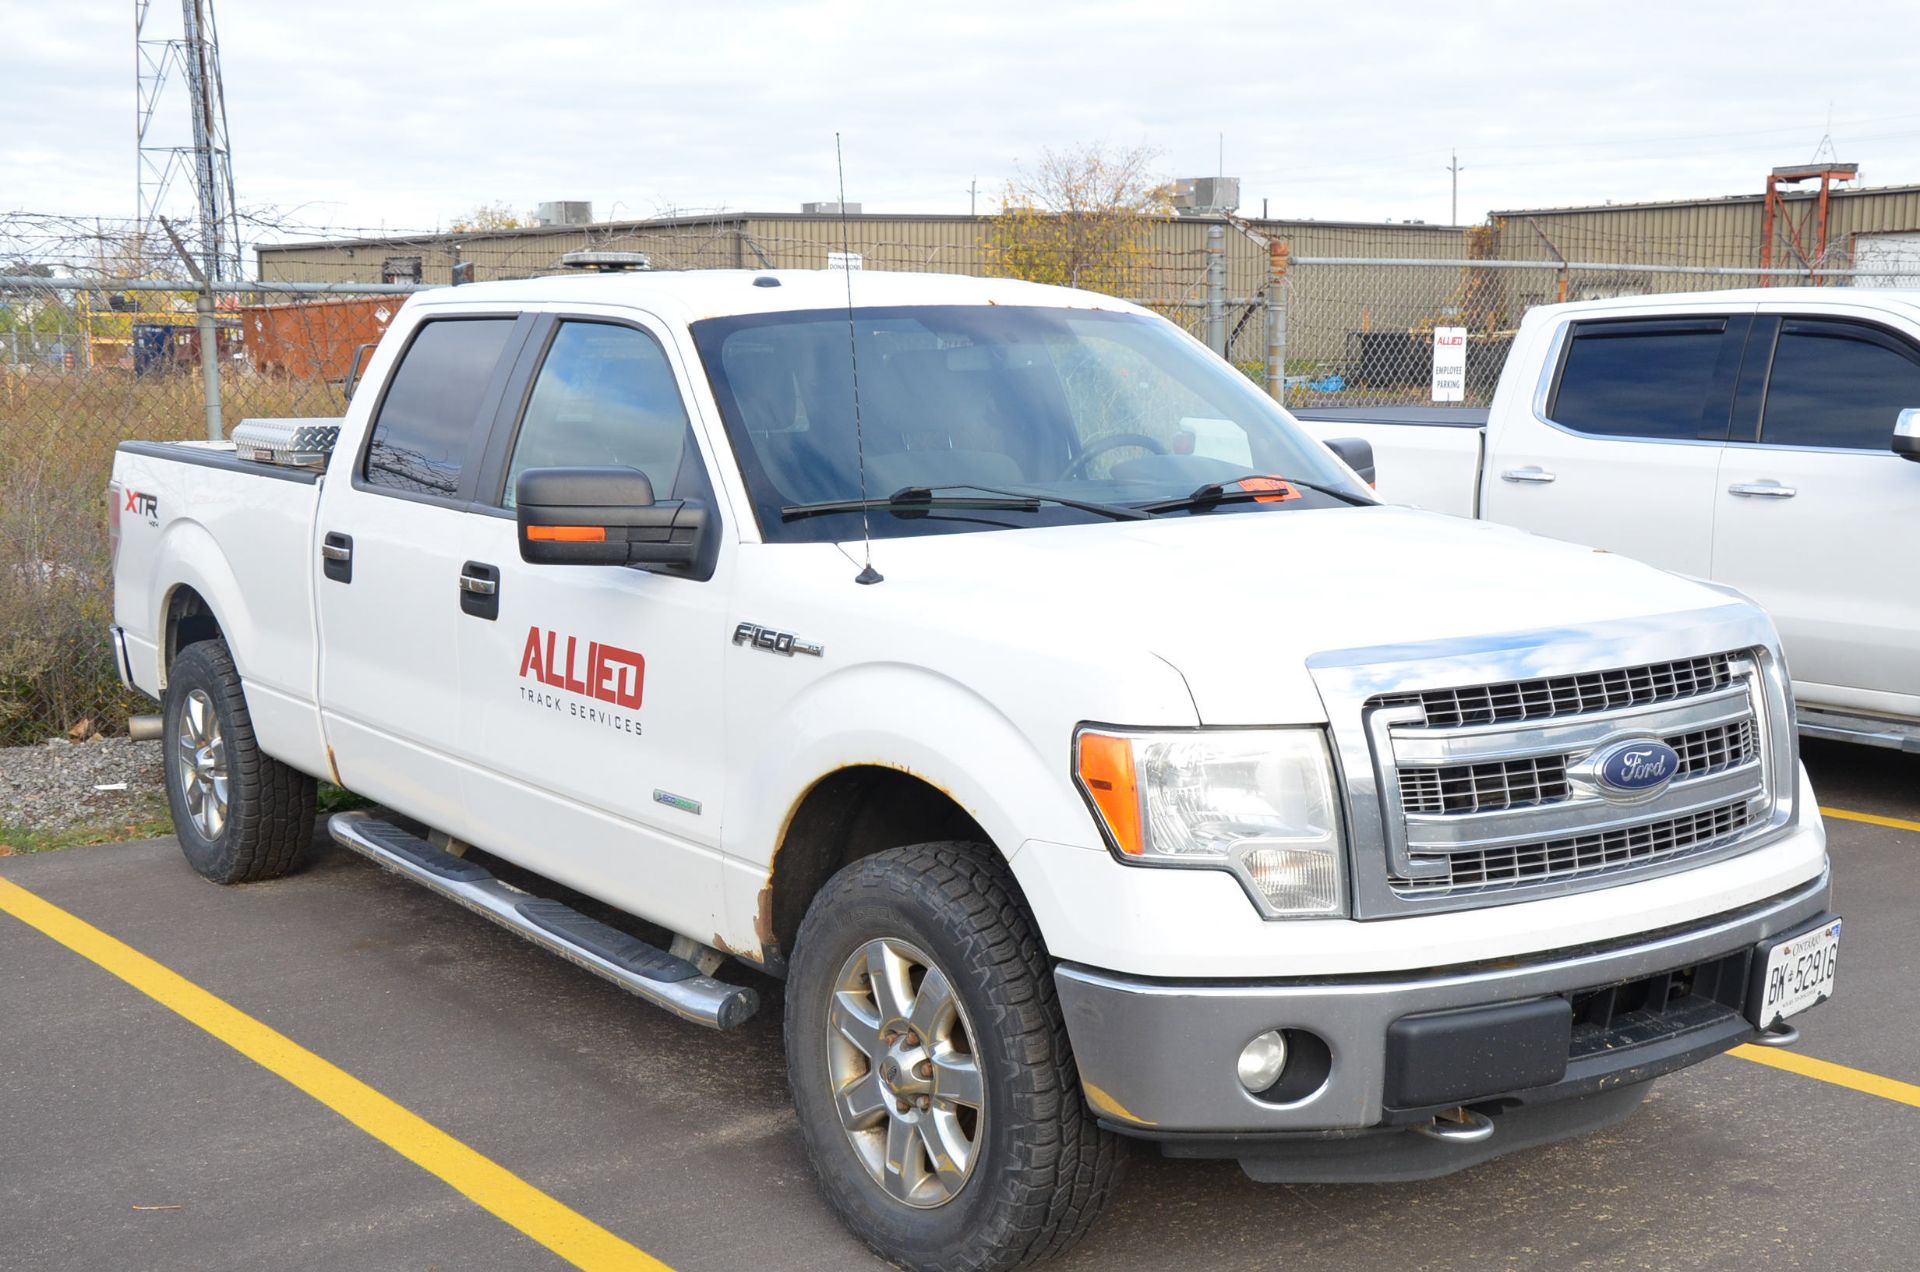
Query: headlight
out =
(1257, 802)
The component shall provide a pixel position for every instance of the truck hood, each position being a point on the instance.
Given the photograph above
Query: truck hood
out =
(1238, 603)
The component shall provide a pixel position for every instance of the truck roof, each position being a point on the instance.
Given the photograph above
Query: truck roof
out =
(1903, 299)
(691, 295)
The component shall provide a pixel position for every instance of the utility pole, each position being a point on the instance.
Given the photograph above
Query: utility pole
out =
(973, 197)
(1453, 166)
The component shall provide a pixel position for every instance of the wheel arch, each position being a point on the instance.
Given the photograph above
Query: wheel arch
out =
(851, 813)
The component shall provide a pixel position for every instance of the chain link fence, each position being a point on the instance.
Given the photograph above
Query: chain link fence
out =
(1361, 331)
(83, 367)
(87, 363)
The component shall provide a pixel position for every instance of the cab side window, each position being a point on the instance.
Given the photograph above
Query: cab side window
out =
(427, 421)
(1650, 378)
(1838, 384)
(606, 395)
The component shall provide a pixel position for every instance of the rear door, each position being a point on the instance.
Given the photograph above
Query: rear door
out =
(388, 596)
(1817, 517)
(593, 695)
(1620, 445)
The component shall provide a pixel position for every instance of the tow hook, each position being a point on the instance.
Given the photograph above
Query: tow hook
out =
(1458, 1126)
(1781, 1035)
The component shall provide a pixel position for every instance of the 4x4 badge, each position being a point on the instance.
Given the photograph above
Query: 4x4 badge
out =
(774, 642)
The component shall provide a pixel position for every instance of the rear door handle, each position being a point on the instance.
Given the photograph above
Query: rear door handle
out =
(480, 590)
(336, 556)
(1761, 490)
(1531, 473)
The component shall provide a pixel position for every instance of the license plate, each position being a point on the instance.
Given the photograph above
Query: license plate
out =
(1800, 973)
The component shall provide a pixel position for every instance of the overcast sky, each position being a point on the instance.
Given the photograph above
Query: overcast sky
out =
(351, 114)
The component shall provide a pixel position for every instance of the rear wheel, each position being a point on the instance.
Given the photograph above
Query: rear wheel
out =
(931, 1070)
(240, 815)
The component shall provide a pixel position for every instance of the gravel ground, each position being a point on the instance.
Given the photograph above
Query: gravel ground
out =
(52, 786)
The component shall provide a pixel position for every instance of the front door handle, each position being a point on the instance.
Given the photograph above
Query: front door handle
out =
(480, 590)
(1533, 473)
(336, 556)
(1761, 490)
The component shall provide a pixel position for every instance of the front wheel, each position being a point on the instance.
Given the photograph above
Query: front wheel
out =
(931, 1069)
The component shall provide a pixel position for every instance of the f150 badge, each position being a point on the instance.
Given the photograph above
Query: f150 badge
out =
(774, 642)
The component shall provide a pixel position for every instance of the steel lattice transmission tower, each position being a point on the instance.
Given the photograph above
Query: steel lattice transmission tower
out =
(200, 154)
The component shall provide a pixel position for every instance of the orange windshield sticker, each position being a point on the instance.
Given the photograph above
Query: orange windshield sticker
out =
(1275, 490)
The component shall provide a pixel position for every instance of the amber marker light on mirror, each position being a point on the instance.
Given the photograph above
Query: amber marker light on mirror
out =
(568, 534)
(1106, 772)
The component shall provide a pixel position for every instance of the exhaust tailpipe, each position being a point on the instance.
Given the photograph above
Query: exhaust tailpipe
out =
(145, 728)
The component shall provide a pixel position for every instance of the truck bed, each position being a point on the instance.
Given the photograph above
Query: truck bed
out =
(197, 515)
(1426, 456)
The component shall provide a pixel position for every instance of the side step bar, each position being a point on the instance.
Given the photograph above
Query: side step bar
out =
(627, 961)
(1838, 726)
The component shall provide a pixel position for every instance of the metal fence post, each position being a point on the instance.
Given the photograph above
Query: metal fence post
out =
(1277, 321)
(209, 360)
(1217, 289)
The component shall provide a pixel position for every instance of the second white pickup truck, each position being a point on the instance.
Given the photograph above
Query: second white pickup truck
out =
(1755, 438)
(1088, 749)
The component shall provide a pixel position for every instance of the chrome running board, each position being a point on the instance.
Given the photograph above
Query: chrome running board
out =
(1838, 726)
(635, 966)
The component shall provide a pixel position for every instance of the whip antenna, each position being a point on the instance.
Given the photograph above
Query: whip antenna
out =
(867, 574)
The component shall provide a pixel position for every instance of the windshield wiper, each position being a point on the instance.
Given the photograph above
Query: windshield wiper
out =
(1219, 492)
(911, 500)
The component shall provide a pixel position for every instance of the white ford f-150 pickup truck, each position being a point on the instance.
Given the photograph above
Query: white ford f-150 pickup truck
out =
(1087, 748)
(1755, 438)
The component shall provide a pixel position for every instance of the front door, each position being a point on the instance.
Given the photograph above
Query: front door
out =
(593, 693)
(1623, 445)
(1818, 518)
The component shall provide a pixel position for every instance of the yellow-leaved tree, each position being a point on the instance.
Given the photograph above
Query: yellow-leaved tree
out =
(488, 216)
(1080, 217)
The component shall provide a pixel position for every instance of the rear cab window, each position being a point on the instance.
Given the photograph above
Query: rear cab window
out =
(426, 429)
(1667, 379)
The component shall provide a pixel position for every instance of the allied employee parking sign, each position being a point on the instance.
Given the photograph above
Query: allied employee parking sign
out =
(1449, 364)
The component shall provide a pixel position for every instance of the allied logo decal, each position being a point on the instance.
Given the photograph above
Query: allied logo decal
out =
(588, 668)
(1636, 769)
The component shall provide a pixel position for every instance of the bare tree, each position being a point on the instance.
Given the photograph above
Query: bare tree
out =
(1081, 217)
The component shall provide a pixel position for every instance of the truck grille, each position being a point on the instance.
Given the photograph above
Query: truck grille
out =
(1476, 788)
(1551, 696)
(1519, 864)
(1484, 790)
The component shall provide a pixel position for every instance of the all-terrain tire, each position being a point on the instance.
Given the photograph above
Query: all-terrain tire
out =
(267, 825)
(1043, 1167)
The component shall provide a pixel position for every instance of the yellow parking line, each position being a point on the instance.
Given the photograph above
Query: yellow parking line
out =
(1827, 1071)
(492, 1187)
(1872, 819)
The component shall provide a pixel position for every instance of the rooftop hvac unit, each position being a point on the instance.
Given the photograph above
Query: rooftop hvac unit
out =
(563, 213)
(1200, 196)
(829, 209)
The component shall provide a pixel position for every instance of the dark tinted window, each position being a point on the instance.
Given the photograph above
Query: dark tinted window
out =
(426, 422)
(1642, 379)
(1838, 384)
(605, 395)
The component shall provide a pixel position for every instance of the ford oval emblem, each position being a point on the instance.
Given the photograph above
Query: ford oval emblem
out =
(1634, 769)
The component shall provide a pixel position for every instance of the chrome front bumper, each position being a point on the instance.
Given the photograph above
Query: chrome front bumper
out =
(1158, 1058)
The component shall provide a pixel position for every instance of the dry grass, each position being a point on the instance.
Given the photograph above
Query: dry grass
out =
(57, 437)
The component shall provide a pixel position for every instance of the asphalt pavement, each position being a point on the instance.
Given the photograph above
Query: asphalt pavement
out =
(130, 1138)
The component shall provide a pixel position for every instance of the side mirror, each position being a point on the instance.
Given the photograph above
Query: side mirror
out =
(1356, 453)
(605, 516)
(1906, 434)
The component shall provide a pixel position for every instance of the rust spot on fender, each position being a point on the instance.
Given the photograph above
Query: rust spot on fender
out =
(763, 914)
(334, 768)
(719, 943)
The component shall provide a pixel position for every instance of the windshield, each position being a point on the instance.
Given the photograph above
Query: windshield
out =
(1088, 405)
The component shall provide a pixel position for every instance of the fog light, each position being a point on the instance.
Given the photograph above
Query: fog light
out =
(1261, 1061)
